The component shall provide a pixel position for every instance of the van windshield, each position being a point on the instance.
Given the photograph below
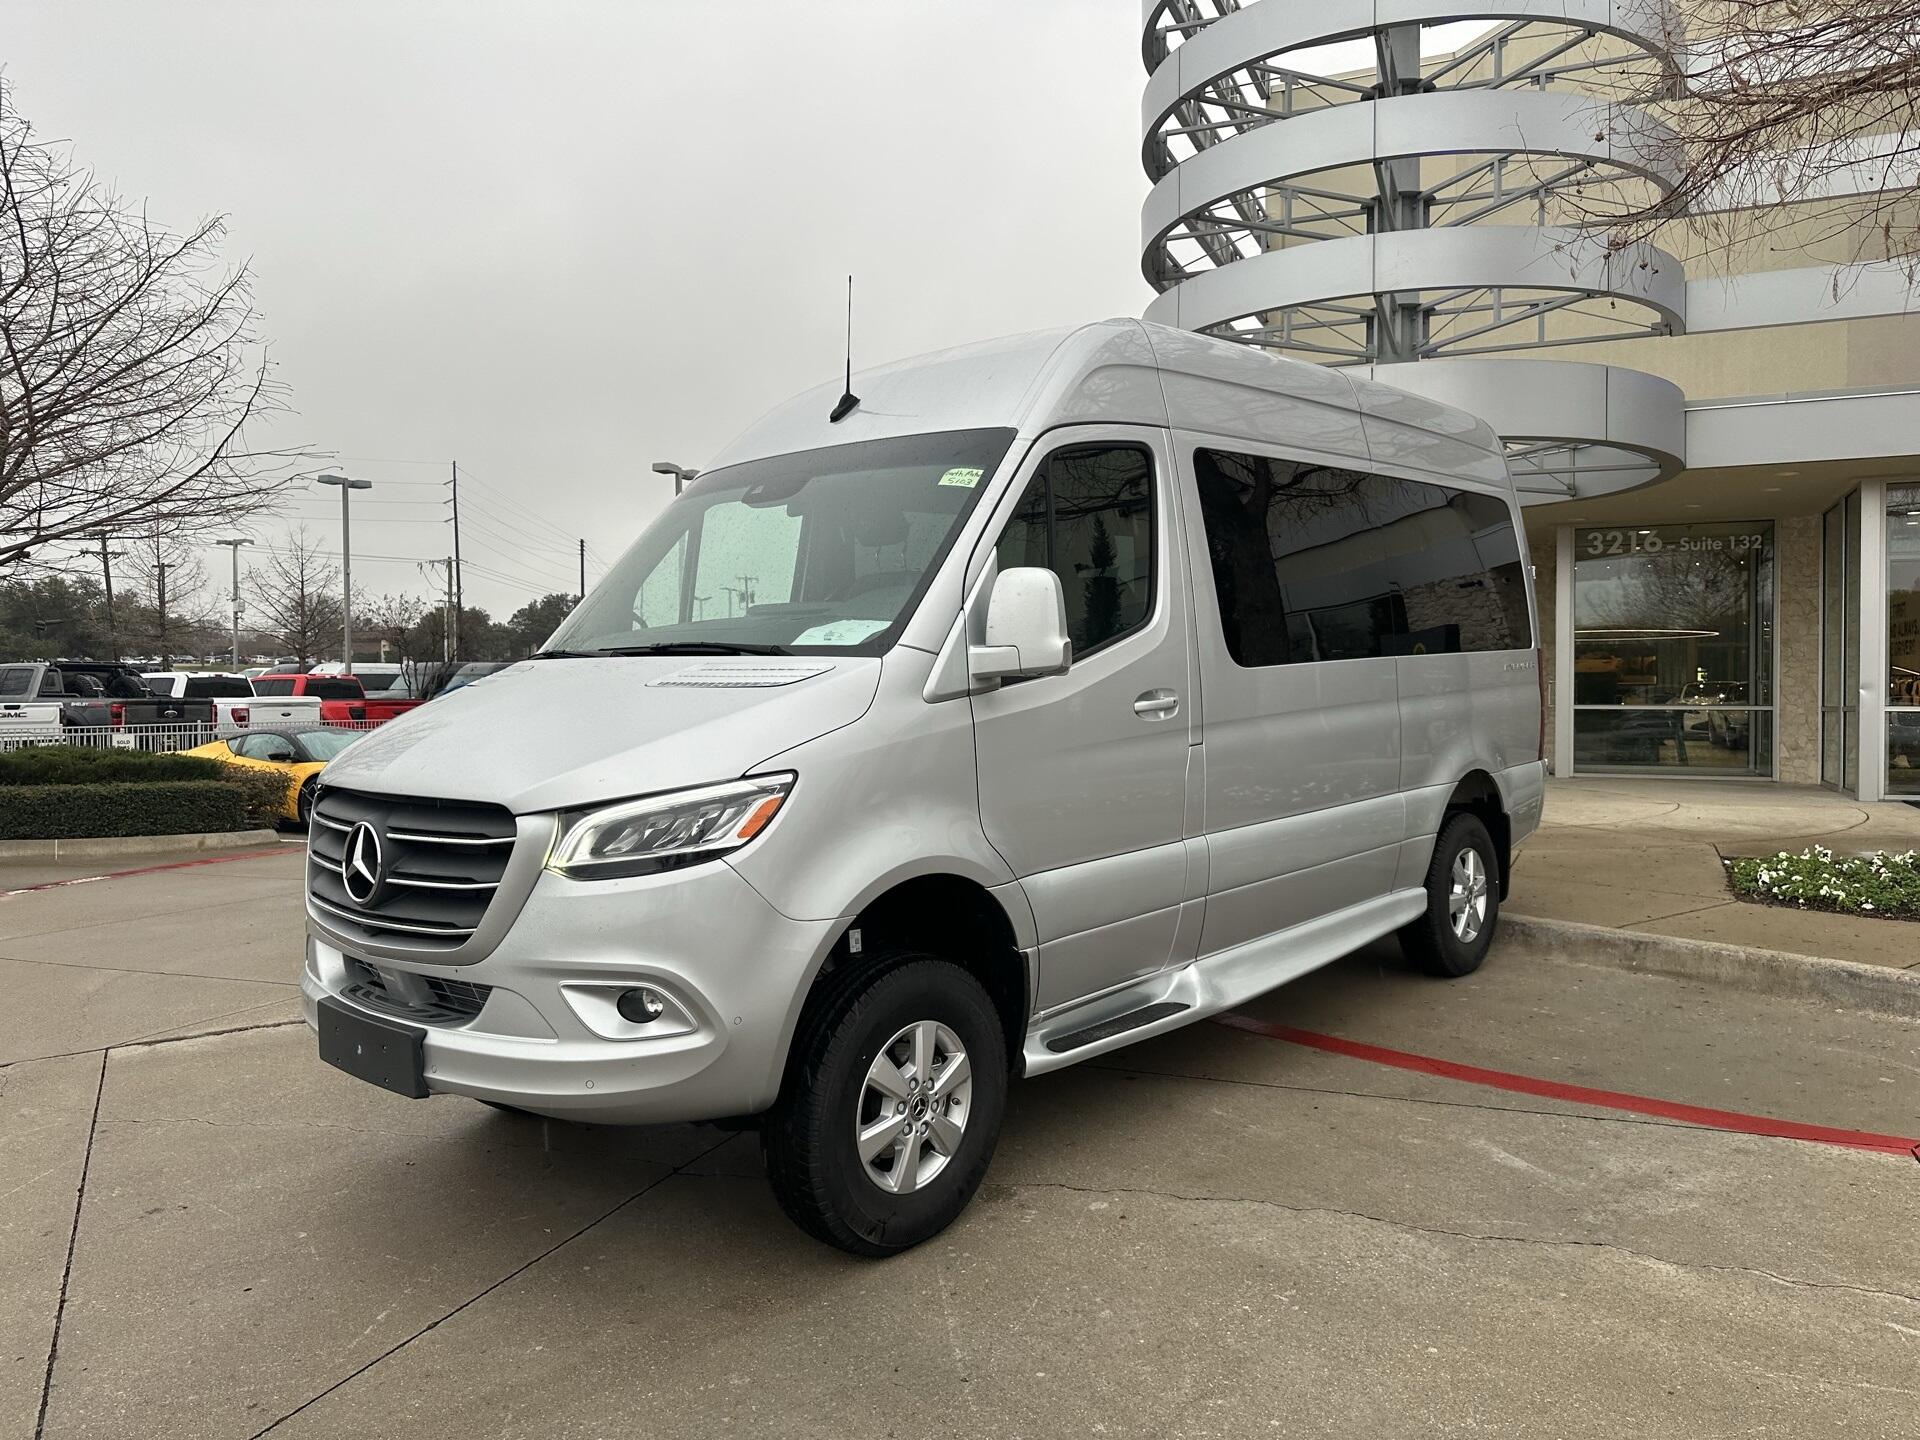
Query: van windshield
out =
(823, 551)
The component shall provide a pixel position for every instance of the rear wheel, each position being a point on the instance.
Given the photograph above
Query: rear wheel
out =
(1463, 901)
(303, 804)
(892, 1106)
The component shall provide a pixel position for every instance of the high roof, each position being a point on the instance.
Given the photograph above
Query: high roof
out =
(1125, 371)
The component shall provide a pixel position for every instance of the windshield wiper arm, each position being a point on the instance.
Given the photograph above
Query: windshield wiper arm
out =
(697, 647)
(563, 654)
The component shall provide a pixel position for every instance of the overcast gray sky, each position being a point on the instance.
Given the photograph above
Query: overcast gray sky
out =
(559, 239)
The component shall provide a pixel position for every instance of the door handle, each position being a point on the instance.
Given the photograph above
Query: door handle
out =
(1157, 705)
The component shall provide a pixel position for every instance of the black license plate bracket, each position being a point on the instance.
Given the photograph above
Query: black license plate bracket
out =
(372, 1048)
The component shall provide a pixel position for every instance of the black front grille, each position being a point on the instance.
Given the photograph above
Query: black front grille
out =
(423, 998)
(441, 862)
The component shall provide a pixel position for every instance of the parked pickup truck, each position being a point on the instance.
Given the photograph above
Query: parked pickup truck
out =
(391, 689)
(41, 699)
(236, 708)
(342, 701)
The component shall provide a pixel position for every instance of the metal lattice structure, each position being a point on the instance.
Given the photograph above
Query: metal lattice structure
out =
(1423, 209)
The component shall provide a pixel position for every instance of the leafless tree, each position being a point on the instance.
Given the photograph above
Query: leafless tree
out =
(389, 619)
(296, 593)
(165, 612)
(1791, 115)
(130, 366)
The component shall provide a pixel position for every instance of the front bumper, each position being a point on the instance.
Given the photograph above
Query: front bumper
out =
(735, 969)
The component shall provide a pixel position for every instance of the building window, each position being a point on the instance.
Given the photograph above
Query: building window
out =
(1903, 640)
(1673, 648)
(1836, 710)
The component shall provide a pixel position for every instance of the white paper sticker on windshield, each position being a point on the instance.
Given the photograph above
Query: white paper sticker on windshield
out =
(964, 476)
(840, 632)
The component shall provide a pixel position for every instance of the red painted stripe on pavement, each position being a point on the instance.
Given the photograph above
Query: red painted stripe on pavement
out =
(1700, 1115)
(260, 854)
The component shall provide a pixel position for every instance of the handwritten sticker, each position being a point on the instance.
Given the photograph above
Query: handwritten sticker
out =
(966, 478)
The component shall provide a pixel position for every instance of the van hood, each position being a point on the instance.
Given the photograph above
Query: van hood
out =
(551, 734)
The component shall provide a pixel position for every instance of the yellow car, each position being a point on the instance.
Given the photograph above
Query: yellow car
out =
(298, 754)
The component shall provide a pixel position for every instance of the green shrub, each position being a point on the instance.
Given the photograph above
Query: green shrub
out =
(265, 792)
(1878, 884)
(75, 812)
(71, 765)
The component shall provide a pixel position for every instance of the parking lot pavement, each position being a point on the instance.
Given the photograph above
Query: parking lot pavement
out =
(1214, 1234)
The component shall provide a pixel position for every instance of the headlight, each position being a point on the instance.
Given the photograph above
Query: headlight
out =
(660, 832)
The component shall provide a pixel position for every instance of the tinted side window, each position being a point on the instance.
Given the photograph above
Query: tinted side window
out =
(273, 687)
(1087, 515)
(334, 688)
(1466, 589)
(1314, 562)
(14, 680)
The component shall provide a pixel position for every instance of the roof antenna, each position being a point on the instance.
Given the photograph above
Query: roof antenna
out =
(848, 401)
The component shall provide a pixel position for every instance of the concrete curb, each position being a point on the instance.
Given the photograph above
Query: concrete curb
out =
(1877, 988)
(134, 846)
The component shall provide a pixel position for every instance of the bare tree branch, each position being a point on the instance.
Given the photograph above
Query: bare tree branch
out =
(130, 364)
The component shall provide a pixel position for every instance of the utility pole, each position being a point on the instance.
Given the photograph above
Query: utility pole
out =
(583, 568)
(446, 627)
(459, 576)
(166, 660)
(106, 575)
(234, 547)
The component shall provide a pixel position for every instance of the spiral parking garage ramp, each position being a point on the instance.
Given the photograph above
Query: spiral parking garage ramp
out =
(1426, 209)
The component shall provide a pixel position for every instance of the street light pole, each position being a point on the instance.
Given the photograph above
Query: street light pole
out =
(346, 566)
(234, 547)
(682, 477)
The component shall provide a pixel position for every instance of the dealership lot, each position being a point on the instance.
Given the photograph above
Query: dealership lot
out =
(1219, 1233)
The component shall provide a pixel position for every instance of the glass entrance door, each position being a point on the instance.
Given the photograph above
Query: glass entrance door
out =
(1673, 649)
(1903, 641)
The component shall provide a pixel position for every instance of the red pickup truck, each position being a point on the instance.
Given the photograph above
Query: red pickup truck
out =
(343, 700)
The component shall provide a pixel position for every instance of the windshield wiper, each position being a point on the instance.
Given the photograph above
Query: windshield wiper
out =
(696, 647)
(564, 654)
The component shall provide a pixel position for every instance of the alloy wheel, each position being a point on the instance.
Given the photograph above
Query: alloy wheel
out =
(1467, 900)
(913, 1107)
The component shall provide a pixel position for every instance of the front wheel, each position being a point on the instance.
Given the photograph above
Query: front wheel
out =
(303, 805)
(1463, 901)
(892, 1106)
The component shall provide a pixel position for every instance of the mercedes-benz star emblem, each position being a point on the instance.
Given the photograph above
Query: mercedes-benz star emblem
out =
(360, 865)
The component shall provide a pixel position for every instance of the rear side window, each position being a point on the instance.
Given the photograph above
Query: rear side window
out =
(265, 686)
(1087, 515)
(14, 680)
(1315, 562)
(217, 687)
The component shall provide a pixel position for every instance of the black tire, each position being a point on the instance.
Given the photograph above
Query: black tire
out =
(1431, 941)
(809, 1139)
(303, 805)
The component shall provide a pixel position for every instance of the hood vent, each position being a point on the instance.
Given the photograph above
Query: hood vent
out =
(740, 677)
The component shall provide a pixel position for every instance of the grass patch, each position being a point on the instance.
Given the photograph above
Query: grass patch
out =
(1881, 884)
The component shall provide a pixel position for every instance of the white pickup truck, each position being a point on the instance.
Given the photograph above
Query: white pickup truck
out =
(236, 708)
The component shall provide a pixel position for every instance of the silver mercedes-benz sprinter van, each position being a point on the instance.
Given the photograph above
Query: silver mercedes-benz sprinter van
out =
(1061, 691)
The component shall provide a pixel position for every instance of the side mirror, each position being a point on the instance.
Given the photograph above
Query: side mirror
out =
(1026, 627)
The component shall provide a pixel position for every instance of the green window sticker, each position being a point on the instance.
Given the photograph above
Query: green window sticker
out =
(963, 476)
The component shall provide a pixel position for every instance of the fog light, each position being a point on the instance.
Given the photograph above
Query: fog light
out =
(642, 1006)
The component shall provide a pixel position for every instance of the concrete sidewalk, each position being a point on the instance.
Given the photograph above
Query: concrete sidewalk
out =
(1645, 856)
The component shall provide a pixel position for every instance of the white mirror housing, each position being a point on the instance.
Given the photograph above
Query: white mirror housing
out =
(1026, 631)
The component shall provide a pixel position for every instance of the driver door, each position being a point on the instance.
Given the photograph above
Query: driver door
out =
(1083, 776)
